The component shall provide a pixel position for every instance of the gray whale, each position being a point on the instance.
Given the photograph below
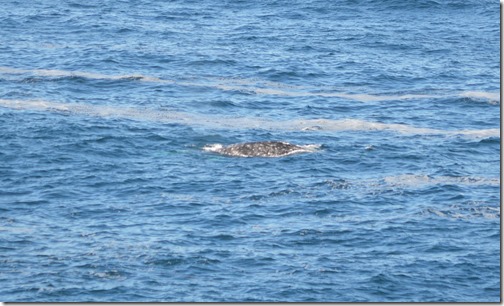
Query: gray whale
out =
(260, 149)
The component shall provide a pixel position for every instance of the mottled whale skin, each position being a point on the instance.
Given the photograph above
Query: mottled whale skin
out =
(259, 149)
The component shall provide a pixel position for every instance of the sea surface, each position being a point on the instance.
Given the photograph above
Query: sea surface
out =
(107, 193)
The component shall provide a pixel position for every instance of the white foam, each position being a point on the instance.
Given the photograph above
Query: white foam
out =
(363, 125)
(311, 147)
(490, 96)
(306, 125)
(254, 86)
(297, 93)
(216, 147)
(96, 110)
(484, 133)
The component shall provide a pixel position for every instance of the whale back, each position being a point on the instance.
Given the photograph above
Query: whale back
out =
(259, 149)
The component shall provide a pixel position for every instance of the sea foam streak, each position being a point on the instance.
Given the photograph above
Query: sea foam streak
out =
(492, 97)
(253, 86)
(308, 125)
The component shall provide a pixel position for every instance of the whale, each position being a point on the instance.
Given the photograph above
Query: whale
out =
(260, 149)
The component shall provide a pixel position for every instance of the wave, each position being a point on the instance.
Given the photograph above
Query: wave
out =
(167, 116)
(88, 75)
(465, 212)
(255, 86)
(458, 208)
(491, 97)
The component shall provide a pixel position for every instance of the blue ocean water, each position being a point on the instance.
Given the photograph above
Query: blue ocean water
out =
(107, 193)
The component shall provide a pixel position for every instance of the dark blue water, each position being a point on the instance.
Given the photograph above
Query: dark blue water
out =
(106, 192)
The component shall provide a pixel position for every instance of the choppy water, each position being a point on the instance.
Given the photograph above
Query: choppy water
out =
(106, 193)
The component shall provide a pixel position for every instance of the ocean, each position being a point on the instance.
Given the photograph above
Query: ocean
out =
(107, 193)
